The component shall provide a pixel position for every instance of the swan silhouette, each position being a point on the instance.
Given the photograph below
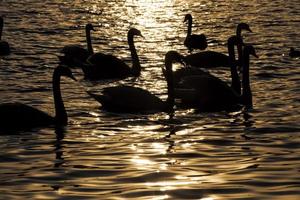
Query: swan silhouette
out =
(105, 66)
(192, 71)
(193, 41)
(127, 99)
(213, 59)
(208, 93)
(4, 46)
(78, 52)
(294, 53)
(18, 117)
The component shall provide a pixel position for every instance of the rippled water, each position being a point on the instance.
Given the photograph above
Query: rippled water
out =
(242, 155)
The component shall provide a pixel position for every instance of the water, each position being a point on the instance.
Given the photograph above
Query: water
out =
(240, 155)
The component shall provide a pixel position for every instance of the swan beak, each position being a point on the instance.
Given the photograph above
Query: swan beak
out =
(141, 36)
(182, 61)
(255, 55)
(249, 30)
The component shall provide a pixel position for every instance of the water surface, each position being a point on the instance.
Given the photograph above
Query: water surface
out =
(239, 155)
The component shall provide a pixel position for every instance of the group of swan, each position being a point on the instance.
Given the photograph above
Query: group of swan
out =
(97, 66)
(194, 87)
(4, 46)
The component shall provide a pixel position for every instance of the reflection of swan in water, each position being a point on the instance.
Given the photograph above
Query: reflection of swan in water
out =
(17, 116)
(294, 53)
(4, 46)
(136, 100)
(213, 59)
(208, 93)
(77, 51)
(105, 66)
(193, 41)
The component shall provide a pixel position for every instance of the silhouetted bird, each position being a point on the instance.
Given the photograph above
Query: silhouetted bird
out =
(193, 41)
(127, 99)
(104, 66)
(208, 93)
(17, 116)
(213, 59)
(78, 52)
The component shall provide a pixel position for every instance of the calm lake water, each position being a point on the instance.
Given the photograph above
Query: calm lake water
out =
(239, 155)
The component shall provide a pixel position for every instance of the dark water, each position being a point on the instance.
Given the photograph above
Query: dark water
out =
(100, 155)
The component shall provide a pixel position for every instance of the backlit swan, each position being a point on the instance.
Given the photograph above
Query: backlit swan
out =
(208, 93)
(17, 116)
(193, 41)
(105, 66)
(136, 100)
(213, 59)
(77, 51)
(4, 46)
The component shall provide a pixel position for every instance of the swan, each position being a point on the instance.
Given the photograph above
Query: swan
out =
(77, 51)
(106, 66)
(193, 41)
(235, 79)
(213, 59)
(18, 117)
(208, 93)
(127, 99)
(4, 46)
(294, 53)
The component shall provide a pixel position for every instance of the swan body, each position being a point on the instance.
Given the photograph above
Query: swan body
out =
(193, 41)
(208, 93)
(4, 46)
(105, 66)
(77, 51)
(130, 99)
(127, 99)
(294, 53)
(19, 117)
(212, 59)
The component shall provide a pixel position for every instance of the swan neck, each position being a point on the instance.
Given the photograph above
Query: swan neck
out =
(60, 111)
(170, 85)
(89, 41)
(136, 66)
(1, 29)
(247, 94)
(235, 80)
(189, 31)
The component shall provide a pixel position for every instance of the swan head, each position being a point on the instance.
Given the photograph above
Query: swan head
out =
(89, 27)
(188, 17)
(244, 26)
(65, 71)
(134, 31)
(1, 21)
(174, 57)
(250, 50)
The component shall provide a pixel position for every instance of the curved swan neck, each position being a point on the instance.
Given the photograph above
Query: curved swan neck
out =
(61, 117)
(247, 94)
(136, 66)
(235, 81)
(89, 41)
(170, 85)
